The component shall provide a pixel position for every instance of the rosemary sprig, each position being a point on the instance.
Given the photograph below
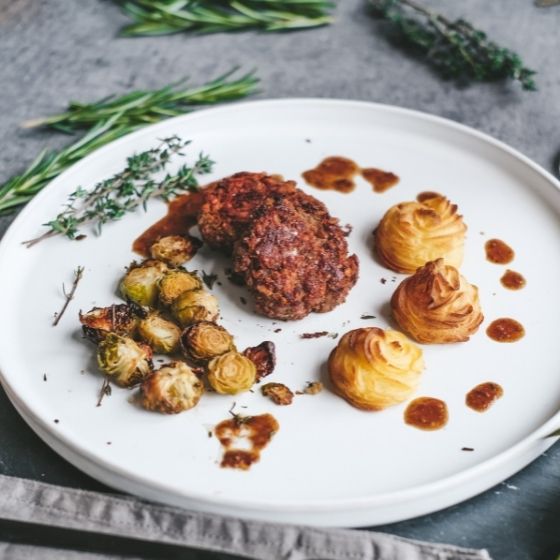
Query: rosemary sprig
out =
(149, 106)
(455, 49)
(126, 191)
(69, 296)
(202, 16)
(110, 119)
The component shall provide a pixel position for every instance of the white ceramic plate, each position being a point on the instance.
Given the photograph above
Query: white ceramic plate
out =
(329, 464)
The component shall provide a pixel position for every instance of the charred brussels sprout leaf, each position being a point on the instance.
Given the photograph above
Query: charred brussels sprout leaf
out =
(120, 319)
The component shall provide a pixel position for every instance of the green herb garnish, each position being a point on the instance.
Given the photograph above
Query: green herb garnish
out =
(455, 49)
(202, 16)
(149, 106)
(128, 190)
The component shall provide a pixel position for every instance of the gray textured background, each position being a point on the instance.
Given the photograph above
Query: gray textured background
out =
(52, 51)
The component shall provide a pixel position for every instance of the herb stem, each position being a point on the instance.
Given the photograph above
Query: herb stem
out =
(78, 273)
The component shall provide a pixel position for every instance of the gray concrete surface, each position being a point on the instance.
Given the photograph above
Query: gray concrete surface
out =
(52, 51)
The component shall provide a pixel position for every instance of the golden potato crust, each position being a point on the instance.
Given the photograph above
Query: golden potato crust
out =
(414, 233)
(373, 369)
(437, 305)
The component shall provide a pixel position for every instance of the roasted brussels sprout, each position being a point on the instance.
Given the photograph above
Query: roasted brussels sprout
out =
(171, 389)
(263, 356)
(193, 306)
(162, 335)
(120, 319)
(140, 283)
(205, 340)
(175, 283)
(231, 373)
(174, 249)
(127, 362)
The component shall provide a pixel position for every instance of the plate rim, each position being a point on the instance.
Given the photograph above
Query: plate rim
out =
(337, 504)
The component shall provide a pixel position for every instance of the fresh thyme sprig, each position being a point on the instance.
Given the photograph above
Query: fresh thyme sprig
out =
(109, 119)
(455, 49)
(126, 191)
(172, 16)
(149, 106)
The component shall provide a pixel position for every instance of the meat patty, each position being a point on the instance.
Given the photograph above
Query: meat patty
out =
(230, 204)
(294, 258)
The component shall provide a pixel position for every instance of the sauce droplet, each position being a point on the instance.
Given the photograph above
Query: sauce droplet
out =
(483, 396)
(498, 252)
(380, 180)
(338, 173)
(243, 439)
(181, 216)
(425, 195)
(426, 413)
(505, 330)
(513, 280)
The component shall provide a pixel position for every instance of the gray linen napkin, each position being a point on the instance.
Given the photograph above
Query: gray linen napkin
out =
(35, 502)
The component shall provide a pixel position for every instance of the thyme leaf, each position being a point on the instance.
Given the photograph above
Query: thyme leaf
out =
(68, 296)
(128, 190)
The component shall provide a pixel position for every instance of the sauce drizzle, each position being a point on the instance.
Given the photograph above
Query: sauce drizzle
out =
(498, 252)
(426, 413)
(505, 330)
(243, 439)
(338, 173)
(513, 280)
(483, 396)
(181, 216)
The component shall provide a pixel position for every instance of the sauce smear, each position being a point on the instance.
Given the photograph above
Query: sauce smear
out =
(426, 413)
(505, 330)
(498, 252)
(425, 195)
(513, 280)
(483, 396)
(380, 180)
(338, 173)
(243, 439)
(180, 218)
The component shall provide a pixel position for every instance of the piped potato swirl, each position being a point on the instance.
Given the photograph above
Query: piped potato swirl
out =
(411, 234)
(373, 369)
(437, 305)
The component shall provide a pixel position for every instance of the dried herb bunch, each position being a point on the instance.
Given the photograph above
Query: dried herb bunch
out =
(109, 119)
(128, 190)
(202, 16)
(455, 49)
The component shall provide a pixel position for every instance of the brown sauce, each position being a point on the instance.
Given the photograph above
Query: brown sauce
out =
(513, 280)
(338, 173)
(180, 218)
(380, 180)
(426, 413)
(425, 195)
(483, 396)
(254, 432)
(505, 330)
(498, 252)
